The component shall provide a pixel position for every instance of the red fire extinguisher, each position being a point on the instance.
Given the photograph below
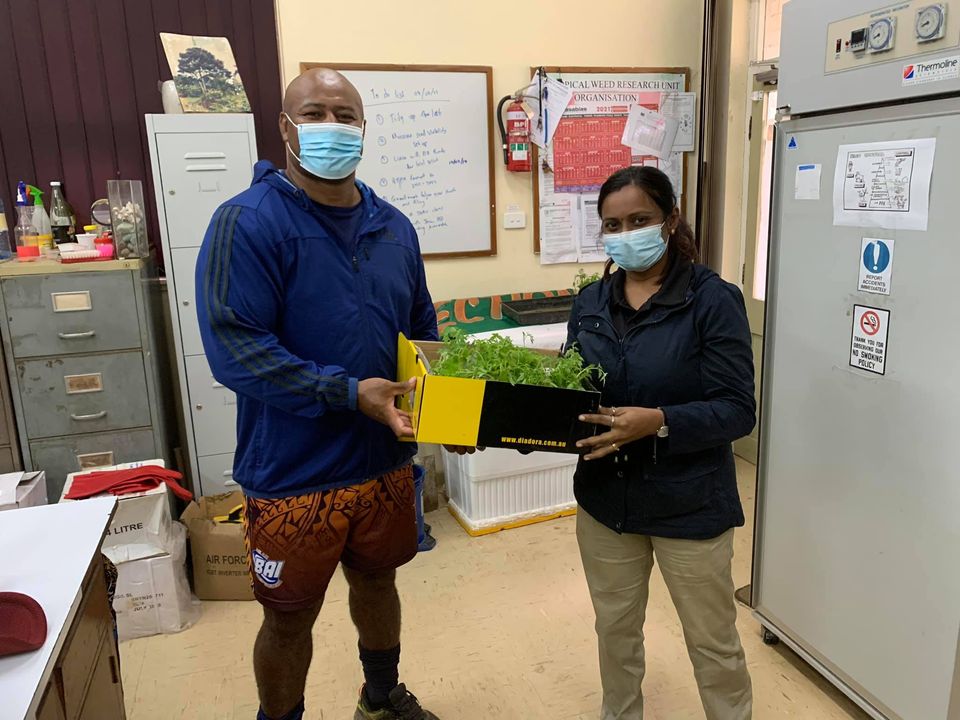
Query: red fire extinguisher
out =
(515, 138)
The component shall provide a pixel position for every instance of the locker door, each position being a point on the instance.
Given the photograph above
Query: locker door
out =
(198, 172)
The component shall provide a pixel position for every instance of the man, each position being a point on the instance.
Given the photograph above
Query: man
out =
(303, 283)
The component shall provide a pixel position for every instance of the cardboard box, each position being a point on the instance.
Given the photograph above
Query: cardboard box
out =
(152, 594)
(482, 413)
(220, 567)
(22, 490)
(141, 525)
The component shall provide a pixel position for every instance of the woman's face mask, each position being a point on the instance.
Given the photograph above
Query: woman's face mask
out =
(330, 151)
(636, 250)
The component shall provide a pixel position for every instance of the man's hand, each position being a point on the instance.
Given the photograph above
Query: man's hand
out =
(462, 449)
(376, 399)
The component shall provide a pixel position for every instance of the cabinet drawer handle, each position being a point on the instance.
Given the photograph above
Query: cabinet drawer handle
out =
(94, 416)
(77, 335)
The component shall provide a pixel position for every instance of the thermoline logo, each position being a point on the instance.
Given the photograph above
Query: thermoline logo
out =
(936, 71)
(267, 570)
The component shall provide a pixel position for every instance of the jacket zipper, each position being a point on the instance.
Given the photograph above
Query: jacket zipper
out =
(622, 340)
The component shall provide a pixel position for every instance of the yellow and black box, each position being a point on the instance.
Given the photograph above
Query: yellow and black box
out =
(484, 413)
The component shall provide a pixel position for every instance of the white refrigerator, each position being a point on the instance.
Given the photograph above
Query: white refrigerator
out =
(857, 545)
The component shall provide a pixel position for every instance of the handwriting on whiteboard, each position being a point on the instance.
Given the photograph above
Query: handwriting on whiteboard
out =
(410, 132)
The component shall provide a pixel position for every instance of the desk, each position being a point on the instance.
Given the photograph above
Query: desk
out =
(52, 553)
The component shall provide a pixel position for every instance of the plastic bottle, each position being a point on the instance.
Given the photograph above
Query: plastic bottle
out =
(62, 218)
(5, 252)
(41, 221)
(25, 232)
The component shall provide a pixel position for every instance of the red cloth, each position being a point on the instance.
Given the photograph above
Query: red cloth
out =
(124, 482)
(23, 624)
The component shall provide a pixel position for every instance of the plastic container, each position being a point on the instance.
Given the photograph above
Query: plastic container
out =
(498, 489)
(128, 218)
(105, 250)
(41, 221)
(25, 232)
(6, 251)
(87, 240)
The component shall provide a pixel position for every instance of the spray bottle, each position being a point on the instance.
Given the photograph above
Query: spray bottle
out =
(41, 221)
(25, 232)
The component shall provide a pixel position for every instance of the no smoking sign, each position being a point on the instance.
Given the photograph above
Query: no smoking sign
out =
(868, 349)
(870, 323)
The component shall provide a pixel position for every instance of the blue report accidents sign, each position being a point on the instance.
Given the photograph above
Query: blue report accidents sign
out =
(876, 266)
(868, 349)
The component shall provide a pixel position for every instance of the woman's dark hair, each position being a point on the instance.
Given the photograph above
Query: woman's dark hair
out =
(658, 187)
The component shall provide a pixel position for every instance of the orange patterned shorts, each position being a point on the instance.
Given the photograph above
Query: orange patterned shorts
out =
(294, 544)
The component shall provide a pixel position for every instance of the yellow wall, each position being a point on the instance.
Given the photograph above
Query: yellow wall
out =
(510, 36)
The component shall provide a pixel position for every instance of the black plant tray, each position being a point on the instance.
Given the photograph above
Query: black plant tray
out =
(541, 311)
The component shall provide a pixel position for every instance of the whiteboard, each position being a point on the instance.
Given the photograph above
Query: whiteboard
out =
(428, 150)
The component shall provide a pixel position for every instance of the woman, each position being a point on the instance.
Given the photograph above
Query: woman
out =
(658, 479)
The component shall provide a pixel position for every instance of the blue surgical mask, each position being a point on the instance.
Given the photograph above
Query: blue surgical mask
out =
(330, 151)
(636, 250)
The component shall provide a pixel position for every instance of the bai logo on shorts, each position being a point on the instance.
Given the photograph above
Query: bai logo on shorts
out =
(267, 570)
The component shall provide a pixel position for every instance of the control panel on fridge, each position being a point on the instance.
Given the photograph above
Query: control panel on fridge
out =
(909, 29)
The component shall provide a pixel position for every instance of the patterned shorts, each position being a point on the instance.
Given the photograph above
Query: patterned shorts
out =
(294, 544)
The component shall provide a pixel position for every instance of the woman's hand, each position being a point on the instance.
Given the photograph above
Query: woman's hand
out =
(625, 425)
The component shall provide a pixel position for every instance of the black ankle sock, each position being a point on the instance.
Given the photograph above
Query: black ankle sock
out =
(295, 714)
(381, 671)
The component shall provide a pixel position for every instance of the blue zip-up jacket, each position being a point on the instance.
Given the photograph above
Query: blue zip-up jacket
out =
(690, 355)
(291, 321)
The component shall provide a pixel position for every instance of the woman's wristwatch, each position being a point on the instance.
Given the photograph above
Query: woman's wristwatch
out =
(664, 431)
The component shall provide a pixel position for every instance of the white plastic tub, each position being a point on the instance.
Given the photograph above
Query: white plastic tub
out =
(498, 489)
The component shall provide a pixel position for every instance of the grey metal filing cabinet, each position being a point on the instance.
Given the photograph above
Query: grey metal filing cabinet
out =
(86, 377)
(9, 447)
(199, 161)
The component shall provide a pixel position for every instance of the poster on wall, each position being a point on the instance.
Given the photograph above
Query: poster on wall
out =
(884, 184)
(587, 148)
(205, 73)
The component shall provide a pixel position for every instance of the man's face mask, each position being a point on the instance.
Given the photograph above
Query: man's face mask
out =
(330, 151)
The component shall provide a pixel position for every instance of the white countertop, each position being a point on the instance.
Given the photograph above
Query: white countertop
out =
(46, 552)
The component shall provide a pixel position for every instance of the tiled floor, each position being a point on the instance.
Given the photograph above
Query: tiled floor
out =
(494, 627)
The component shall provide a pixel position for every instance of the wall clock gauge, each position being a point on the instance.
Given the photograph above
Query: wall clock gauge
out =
(931, 23)
(881, 35)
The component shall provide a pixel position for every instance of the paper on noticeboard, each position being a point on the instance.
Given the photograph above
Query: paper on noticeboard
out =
(682, 107)
(591, 244)
(650, 132)
(547, 99)
(559, 222)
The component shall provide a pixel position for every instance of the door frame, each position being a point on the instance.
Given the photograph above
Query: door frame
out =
(762, 81)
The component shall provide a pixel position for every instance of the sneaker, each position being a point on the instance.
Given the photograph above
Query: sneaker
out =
(403, 706)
